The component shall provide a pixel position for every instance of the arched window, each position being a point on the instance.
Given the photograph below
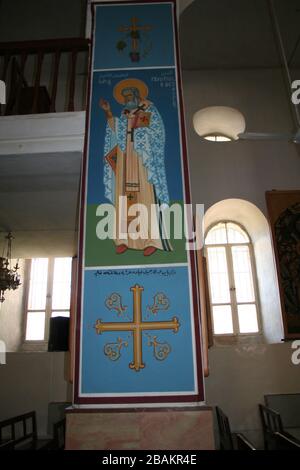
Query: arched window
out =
(232, 280)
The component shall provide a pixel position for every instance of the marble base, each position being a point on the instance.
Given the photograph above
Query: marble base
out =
(140, 429)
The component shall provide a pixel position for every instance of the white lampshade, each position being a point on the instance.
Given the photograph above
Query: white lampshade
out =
(219, 120)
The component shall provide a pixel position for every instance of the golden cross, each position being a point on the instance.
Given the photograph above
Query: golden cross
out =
(137, 326)
(134, 28)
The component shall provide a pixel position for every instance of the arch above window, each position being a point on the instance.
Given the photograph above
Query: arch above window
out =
(226, 232)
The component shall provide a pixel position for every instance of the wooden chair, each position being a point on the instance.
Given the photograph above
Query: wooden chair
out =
(242, 443)
(271, 423)
(226, 441)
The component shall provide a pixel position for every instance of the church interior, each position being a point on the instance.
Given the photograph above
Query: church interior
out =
(239, 62)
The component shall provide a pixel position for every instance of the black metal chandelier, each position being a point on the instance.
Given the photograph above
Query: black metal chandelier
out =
(9, 276)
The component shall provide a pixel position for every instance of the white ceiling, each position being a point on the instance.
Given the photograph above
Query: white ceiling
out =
(39, 202)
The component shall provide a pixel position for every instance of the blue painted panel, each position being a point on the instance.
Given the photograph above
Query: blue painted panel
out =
(154, 41)
(173, 374)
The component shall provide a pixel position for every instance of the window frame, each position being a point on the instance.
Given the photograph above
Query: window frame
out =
(232, 290)
(42, 344)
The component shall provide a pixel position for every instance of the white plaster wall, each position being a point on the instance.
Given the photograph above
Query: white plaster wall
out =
(244, 169)
(30, 381)
(240, 169)
(11, 314)
(240, 376)
(268, 290)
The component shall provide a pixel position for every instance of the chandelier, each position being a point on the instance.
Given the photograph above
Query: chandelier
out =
(9, 277)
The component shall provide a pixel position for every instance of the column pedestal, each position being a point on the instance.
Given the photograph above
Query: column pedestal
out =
(188, 428)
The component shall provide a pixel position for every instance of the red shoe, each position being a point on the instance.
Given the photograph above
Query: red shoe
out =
(149, 250)
(121, 249)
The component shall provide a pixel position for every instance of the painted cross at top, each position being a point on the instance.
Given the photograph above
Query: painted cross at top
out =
(134, 31)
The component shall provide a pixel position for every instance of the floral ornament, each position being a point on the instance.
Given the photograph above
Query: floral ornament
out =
(113, 350)
(160, 302)
(114, 302)
(161, 350)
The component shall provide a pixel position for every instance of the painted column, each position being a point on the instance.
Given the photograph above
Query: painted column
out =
(137, 336)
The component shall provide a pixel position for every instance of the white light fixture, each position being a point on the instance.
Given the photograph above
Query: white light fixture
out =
(219, 123)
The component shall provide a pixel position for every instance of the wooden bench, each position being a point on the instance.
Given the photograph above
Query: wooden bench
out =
(9, 445)
(22, 431)
(275, 435)
(242, 443)
(285, 442)
(288, 406)
(271, 423)
(229, 440)
(226, 441)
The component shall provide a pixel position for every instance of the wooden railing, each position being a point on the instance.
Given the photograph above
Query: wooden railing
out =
(21, 68)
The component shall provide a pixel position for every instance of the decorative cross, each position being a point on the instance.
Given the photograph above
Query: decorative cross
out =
(134, 29)
(131, 133)
(137, 326)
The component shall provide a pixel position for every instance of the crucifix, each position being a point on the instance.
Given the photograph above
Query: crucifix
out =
(137, 326)
(134, 29)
